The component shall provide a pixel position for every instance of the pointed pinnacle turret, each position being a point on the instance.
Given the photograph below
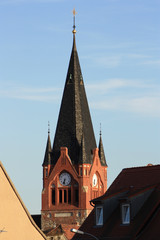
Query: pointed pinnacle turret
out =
(101, 150)
(47, 156)
(48, 128)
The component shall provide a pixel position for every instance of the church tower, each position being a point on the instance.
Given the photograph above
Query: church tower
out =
(74, 169)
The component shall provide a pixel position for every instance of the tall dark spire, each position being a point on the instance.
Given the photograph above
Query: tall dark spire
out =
(101, 150)
(74, 117)
(83, 155)
(47, 156)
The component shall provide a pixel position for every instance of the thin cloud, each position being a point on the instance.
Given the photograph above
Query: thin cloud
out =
(107, 85)
(126, 95)
(148, 106)
(138, 56)
(28, 93)
(114, 60)
(129, 95)
(107, 62)
(152, 62)
(116, 83)
(4, 2)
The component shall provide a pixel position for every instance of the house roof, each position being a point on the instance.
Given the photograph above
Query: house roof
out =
(15, 218)
(67, 229)
(132, 180)
(62, 229)
(138, 186)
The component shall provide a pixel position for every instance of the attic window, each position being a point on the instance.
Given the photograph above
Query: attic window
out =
(70, 79)
(81, 80)
(99, 216)
(125, 213)
(70, 76)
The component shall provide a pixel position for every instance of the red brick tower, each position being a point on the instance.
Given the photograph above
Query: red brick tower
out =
(74, 170)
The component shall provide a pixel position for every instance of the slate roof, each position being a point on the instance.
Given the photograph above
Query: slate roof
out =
(101, 152)
(47, 156)
(74, 128)
(138, 186)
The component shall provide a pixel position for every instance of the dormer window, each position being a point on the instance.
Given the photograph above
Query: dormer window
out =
(125, 213)
(99, 215)
(70, 76)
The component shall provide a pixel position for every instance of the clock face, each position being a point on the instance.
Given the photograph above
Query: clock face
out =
(94, 180)
(65, 178)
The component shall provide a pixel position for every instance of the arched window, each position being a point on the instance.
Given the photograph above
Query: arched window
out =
(53, 194)
(77, 195)
(65, 195)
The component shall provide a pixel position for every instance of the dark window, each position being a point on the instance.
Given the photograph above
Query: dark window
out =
(65, 196)
(60, 196)
(53, 196)
(69, 195)
(76, 195)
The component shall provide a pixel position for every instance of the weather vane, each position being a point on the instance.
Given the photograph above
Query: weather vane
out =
(74, 26)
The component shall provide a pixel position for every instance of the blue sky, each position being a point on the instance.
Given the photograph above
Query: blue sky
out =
(119, 52)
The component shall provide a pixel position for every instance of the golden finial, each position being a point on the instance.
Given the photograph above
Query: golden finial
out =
(74, 26)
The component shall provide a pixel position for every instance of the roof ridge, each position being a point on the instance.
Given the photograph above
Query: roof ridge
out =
(141, 167)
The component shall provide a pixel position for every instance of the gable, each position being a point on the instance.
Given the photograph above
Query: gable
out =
(15, 218)
(63, 164)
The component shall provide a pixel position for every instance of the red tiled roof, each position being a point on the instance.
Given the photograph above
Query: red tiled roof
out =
(62, 229)
(133, 179)
(67, 228)
(133, 182)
